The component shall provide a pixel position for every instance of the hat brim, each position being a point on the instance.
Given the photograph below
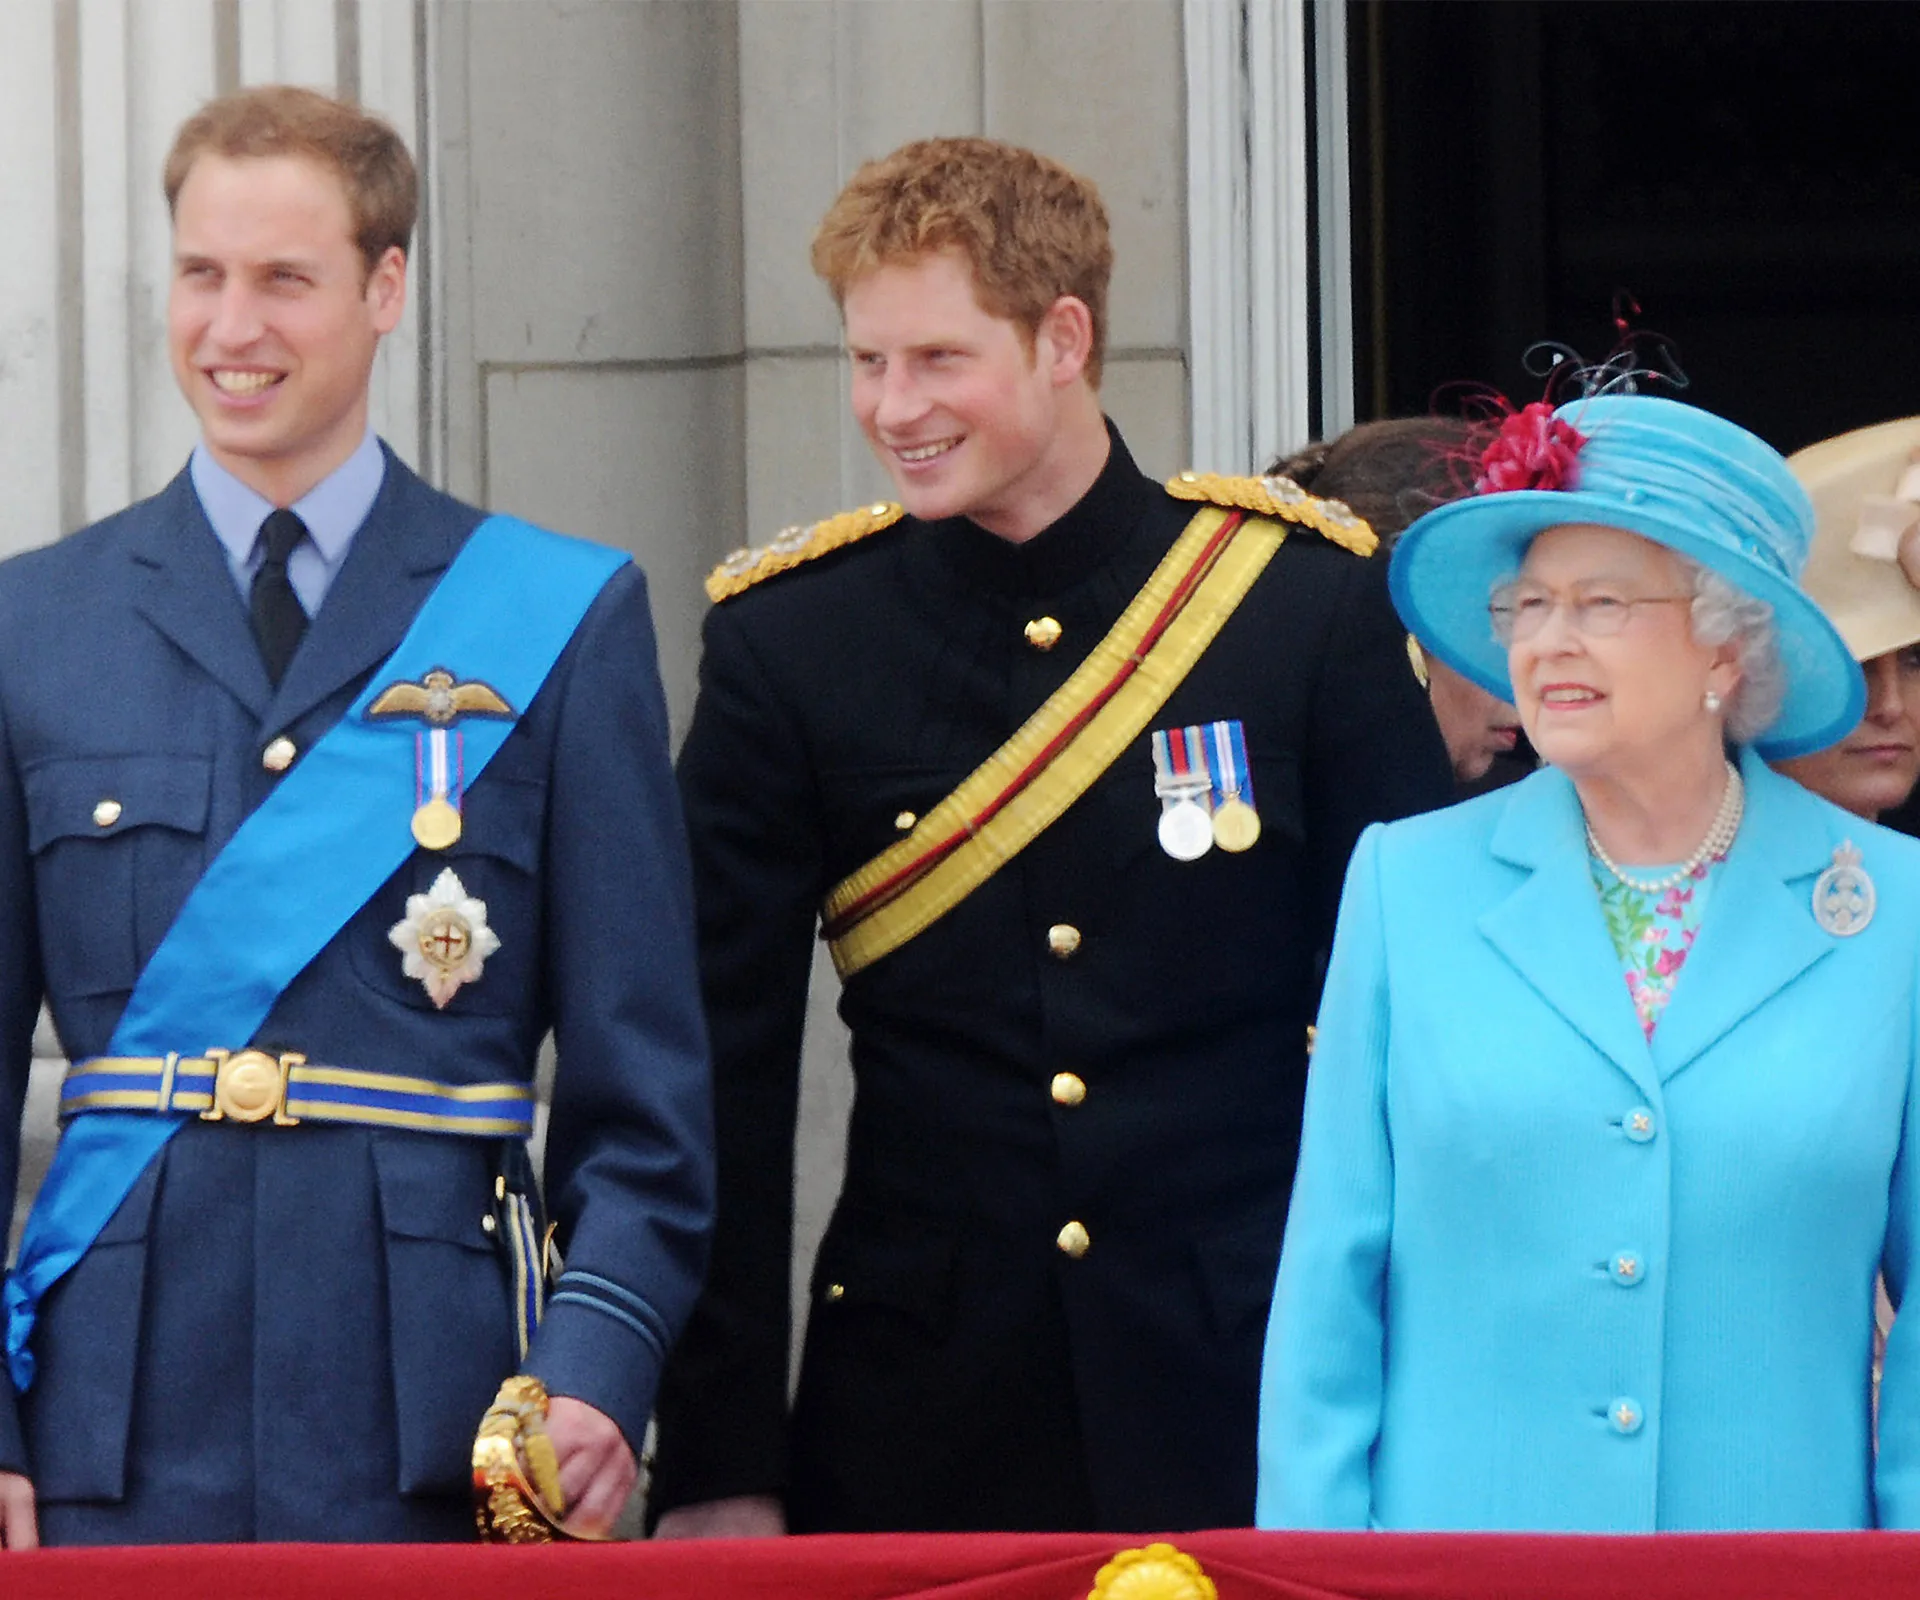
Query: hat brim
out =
(1445, 568)
(1871, 602)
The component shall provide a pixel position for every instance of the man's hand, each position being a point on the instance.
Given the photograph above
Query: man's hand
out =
(742, 1516)
(19, 1528)
(597, 1468)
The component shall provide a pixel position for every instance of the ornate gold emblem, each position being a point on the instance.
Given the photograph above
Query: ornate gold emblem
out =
(1282, 499)
(1155, 1572)
(444, 940)
(440, 699)
(794, 546)
(250, 1086)
(517, 1498)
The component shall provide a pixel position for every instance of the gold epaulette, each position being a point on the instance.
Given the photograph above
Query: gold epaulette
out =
(1281, 498)
(792, 546)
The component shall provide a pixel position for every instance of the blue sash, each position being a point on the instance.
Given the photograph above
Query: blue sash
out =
(318, 847)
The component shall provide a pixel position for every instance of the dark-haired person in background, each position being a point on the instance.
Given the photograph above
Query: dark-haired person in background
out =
(1391, 472)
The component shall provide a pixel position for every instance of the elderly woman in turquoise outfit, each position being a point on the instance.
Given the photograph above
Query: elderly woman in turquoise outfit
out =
(1609, 1126)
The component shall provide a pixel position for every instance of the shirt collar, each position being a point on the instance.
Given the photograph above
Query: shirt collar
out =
(332, 509)
(1070, 549)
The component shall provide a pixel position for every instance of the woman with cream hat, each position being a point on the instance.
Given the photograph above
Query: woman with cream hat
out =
(1864, 570)
(1607, 1128)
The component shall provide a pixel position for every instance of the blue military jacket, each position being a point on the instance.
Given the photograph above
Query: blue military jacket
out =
(292, 1332)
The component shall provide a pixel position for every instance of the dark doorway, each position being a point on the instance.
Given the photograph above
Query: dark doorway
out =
(1750, 173)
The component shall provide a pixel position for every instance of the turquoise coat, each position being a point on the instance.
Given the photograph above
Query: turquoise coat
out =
(1542, 1274)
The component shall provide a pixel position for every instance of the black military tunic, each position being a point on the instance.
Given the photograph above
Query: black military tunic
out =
(1042, 1297)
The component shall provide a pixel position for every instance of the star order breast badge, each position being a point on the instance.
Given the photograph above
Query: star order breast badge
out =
(444, 940)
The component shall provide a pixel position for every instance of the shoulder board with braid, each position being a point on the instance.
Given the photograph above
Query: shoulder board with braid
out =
(1282, 499)
(794, 546)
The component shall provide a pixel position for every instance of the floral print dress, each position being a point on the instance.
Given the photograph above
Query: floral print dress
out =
(1653, 934)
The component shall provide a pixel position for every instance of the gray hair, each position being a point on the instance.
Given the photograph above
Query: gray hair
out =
(1723, 613)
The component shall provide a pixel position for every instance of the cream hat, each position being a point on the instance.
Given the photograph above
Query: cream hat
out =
(1865, 488)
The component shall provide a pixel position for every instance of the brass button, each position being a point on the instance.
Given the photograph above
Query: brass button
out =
(488, 1225)
(1043, 633)
(836, 1291)
(1069, 1088)
(278, 755)
(1063, 939)
(1073, 1240)
(106, 813)
(904, 821)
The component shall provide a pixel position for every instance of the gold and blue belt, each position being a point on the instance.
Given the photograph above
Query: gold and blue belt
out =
(255, 1086)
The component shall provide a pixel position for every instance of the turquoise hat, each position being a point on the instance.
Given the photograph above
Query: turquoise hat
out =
(1682, 477)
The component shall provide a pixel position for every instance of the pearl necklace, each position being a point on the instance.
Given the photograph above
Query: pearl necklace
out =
(1719, 839)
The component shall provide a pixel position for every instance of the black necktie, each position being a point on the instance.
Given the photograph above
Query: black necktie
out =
(278, 618)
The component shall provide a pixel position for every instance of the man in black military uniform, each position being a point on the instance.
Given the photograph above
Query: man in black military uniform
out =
(1079, 989)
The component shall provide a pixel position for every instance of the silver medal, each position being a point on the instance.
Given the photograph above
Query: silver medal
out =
(1186, 830)
(1843, 896)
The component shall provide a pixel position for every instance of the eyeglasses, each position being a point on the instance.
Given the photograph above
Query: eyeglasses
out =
(1595, 614)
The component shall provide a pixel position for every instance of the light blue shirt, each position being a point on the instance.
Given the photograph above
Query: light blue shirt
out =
(332, 509)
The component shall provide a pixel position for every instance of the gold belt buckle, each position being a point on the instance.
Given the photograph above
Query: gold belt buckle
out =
(251, 1086)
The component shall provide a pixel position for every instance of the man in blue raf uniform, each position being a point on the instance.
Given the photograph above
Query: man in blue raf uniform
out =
(291, 1324)
(1074, 763)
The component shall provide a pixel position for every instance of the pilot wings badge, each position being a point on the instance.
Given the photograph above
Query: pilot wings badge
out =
(440, 700)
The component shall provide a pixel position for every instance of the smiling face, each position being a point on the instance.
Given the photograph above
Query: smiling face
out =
(1614, 704)
(274, 318)
(1875, 767)
(969, 416)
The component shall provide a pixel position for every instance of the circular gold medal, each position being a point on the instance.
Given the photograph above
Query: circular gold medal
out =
(436, 824)
(1236, 825)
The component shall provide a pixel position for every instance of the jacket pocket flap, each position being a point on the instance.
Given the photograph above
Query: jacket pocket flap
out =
(434, 1187)
(97, 797)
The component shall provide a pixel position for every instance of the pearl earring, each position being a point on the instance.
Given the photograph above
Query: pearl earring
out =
(1713, 704)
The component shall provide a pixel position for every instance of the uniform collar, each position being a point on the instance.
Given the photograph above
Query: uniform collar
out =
(1060, 556)
(332, 509)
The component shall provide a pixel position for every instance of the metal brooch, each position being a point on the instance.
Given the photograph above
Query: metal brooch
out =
(1843, 897)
